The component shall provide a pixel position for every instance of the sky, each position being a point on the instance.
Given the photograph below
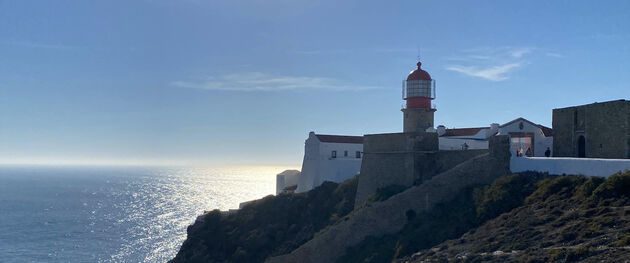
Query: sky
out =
(243, 82)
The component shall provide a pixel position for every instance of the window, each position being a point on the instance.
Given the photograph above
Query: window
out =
(358, 154)
(345, 153)
(333, 154)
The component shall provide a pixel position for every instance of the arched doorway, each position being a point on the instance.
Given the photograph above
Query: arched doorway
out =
(581, 146)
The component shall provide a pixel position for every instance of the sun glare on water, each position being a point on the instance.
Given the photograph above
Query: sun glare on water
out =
(169, 200)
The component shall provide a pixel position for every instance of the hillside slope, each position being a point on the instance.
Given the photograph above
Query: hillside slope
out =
(566, 219)
(526, 217)
(270, 226)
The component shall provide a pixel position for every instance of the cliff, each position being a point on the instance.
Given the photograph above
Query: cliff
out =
(391, 215)
(566, 219)
(266, 227)
(527, 217)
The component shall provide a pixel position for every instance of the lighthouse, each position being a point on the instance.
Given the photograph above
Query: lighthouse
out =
(418, 90)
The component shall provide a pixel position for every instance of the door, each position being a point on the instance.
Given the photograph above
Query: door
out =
(581, 146)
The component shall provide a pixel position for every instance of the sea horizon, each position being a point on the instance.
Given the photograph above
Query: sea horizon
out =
(95, 213)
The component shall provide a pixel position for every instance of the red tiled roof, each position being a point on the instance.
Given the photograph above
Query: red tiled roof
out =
(463, 131)
(340, 138)
(548, 132)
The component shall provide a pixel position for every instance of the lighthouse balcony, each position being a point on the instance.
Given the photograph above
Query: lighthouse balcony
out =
(414, 104)
(418, 88)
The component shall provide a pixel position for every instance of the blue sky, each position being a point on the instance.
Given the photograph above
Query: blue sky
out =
(243, 82)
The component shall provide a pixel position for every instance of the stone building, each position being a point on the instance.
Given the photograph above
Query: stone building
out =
(598, 130)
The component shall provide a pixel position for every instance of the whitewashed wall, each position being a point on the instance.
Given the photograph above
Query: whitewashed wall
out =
(576, 166)
(540, 141)
(448, 143)
(286, 179)
(318, 165)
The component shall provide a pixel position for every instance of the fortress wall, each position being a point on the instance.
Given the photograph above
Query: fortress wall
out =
(449, 159)
(391, 158)
(400, 142)
(379, 170)
(427, 165)
(577, 166)
(605, 126)
(389, 217)
(404, 168)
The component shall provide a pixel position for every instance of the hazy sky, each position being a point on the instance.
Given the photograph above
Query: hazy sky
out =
(243, 82)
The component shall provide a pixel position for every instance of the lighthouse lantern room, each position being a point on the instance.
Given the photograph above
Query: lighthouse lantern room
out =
(418, 90)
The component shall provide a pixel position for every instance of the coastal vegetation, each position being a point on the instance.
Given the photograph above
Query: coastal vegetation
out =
(267, 227)
(565, 219)
(468, 209)
(525, 217)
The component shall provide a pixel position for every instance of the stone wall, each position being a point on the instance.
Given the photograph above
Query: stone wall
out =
(404, 159)
(390, 159)
(400, 142)
(563, 132)
(605, 127)
(417, 119)
(389, 216)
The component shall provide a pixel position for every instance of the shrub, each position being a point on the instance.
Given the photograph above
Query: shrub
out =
(586, 189)
(504, 194)
(617, 185)
(270, 226)
(579, 253)
(561, 185)
(385, 193)
(623, 241)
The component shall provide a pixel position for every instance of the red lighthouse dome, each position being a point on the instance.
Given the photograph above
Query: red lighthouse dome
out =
(419, 74)
(419, 89)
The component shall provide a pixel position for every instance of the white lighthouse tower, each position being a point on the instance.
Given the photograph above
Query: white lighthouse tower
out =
(418, 91)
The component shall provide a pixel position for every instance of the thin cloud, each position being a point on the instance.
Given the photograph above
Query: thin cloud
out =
(492, 54)
(256, 81)
(519, 52)
(491, 63)
(495, 73)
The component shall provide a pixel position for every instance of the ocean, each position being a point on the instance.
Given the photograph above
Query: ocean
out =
(114, 214)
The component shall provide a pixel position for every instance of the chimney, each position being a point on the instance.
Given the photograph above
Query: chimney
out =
(494, 129)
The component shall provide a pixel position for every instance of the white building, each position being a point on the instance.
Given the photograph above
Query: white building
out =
(286, 182)
(465, 138)
(523, 134)
(334, 158)
(527, 137)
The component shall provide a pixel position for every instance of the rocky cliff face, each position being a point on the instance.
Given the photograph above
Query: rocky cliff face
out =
(390, 216)
(567, 219)
(527, 217)
(271, 226)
